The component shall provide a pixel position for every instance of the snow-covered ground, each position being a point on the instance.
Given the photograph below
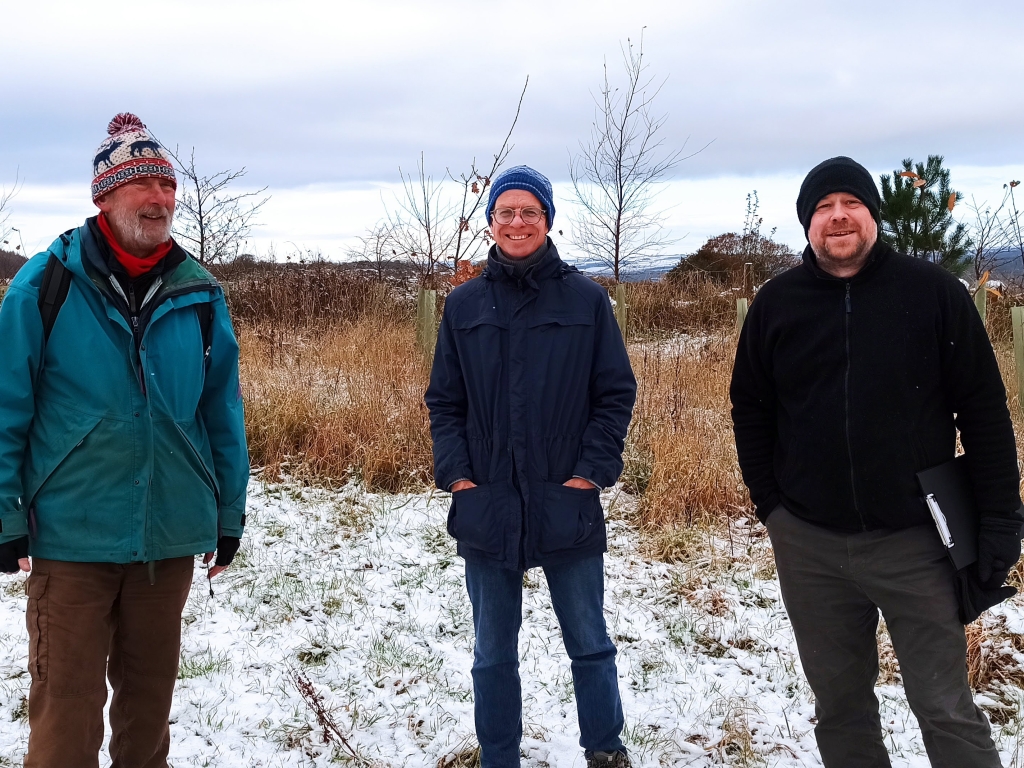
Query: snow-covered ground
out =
(363, 595)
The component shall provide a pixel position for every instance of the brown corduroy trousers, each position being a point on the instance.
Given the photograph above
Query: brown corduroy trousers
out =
(87, 621)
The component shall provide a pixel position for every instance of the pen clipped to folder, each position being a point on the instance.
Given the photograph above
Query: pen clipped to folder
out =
(940, 520)
(950, 500)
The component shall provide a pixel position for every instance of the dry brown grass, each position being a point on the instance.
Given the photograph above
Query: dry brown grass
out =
(291, 295)
(680, 456)
(693, 304)
(332, 403)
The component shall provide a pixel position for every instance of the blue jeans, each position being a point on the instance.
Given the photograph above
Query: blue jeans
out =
(577, 594)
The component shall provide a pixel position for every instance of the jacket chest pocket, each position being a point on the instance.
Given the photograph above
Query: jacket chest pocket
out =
(560, 333)
(549, 322)
(560, 354)
(482, 343)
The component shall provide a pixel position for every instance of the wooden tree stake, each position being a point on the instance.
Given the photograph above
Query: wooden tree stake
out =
(1018, 351)
(621, 308)
(741, 313)
(426, 320)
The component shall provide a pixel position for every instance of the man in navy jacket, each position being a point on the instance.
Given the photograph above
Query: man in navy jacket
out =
(530, 399)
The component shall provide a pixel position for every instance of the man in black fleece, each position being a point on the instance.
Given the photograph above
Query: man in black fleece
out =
(854, 372)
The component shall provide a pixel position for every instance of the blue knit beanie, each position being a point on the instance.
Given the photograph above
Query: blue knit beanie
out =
(525, 178)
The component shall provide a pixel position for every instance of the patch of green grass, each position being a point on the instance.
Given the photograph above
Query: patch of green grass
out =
(20, 712)
(14, 588)
(436, 541)
(316, 655)
(388, 656)
(202, 664)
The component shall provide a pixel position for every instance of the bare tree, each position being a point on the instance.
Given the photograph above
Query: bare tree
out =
(416, 225)
(1016, 220)
(994, 234)
(376, 247)
(431, 226)
(5, 202)
(615, 177)
(213, 220)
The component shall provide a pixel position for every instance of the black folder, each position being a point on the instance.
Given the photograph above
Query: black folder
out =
(948, 495)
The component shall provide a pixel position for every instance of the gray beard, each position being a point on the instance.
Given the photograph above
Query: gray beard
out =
(132, 236)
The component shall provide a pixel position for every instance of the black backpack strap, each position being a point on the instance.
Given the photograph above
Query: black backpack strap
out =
(204, 312)
(53, 292)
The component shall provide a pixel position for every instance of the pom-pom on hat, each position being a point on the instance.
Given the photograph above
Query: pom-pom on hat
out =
(525, 178)
(837, 174)
(129, 152)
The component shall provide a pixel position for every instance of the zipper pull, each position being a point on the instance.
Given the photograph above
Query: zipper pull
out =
(849, 305)
(131, 298)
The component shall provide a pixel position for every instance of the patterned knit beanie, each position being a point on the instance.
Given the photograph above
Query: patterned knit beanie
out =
(525, 178)
(129, 152)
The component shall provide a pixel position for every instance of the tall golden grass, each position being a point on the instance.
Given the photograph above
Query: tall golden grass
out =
(331, 402)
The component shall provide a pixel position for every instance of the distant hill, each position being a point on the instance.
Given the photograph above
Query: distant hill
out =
(642, 269)
(10, 263)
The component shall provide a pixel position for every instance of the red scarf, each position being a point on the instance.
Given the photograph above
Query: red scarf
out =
(133, 265)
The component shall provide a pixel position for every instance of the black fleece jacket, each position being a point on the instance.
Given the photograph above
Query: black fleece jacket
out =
(844, 389)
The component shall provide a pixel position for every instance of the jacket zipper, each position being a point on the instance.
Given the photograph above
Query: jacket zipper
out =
(846, 398)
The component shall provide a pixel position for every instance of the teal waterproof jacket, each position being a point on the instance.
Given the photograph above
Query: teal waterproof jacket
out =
(115, 448)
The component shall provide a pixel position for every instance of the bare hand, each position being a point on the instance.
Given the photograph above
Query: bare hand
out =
(580, 483)
(216, 569)
(463, 485)
(24, 564)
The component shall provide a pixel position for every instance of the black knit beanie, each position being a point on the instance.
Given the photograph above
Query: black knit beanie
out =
(838, 174)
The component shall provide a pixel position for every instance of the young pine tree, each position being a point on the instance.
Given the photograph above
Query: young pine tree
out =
(917, 215)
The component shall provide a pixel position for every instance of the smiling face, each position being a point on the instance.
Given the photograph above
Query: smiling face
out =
(140, 214)
(518, 239)
(842, 234)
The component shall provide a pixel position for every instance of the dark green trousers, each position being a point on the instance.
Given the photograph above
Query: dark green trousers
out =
(834, 584)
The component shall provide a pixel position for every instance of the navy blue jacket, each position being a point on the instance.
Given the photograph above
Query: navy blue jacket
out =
(531, 386)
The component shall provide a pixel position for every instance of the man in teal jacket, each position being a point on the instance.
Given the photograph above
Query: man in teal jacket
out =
(122, 456)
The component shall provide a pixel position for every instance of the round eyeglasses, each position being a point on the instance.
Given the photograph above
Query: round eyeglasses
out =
(507, 215)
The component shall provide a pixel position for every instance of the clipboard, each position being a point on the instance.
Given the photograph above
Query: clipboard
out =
(950, 500)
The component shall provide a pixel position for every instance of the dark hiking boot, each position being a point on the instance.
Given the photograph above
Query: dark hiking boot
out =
(607, 760)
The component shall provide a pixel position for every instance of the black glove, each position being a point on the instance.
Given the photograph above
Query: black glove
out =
(11, 552)
(227, 546)
(973, 597)
(998, 549)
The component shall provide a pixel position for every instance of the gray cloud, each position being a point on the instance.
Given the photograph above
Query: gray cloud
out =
(336, 93)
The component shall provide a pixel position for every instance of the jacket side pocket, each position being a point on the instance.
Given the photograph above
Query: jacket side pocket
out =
(36, 617)
(570, 517)
(477, 519)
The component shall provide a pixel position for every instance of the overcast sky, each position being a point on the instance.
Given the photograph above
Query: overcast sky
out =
(323, 102)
